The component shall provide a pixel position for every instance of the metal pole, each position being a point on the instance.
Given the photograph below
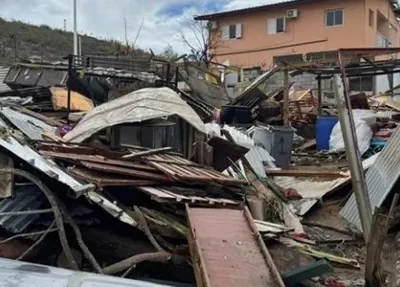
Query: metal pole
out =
(168, 74)
(286, 97)
(176, 77)
(70, 58)
(353, 154)
(75, 29)
(319, 95)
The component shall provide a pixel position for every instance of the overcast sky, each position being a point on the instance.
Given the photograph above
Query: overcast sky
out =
(162, 19)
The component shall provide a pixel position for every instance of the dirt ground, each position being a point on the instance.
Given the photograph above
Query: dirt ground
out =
(328, 214)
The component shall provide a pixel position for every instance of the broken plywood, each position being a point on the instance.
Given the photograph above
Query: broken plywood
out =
(226, 249)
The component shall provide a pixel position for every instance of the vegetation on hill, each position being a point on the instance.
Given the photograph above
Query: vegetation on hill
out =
(22, 41)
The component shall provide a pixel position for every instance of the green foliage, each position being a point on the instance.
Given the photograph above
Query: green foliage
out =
(49, 43)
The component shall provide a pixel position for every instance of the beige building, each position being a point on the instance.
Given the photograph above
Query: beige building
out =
(252, 37)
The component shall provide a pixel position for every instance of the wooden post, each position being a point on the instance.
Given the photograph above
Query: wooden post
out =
(286, 98)
(319, 95)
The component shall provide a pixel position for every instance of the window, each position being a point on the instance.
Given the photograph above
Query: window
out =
(382, 41)
(276, 25)
(334, 18)
(371, 18)
(361, 84)
(231, 32)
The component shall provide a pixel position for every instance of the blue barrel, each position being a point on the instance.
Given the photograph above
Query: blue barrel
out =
(325, 126)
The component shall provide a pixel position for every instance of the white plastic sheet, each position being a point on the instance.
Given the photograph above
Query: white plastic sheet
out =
(363, 132)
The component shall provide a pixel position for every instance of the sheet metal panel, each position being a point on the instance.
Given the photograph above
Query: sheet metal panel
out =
(28, 77)
(3, 74)
(380, 179)
(30, 126)
(225, 250)
(48, 167)
(22, 274)
(24, 199)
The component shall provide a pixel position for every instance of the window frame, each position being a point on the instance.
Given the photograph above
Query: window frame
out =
(276, 25)
(226, 35)
(229, 34)
(371, 17)
(334, 21)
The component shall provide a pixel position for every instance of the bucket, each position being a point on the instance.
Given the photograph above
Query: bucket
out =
(325, 126)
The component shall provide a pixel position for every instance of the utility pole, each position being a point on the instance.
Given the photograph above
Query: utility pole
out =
(65, 25)
(75, 29)
(126, 32)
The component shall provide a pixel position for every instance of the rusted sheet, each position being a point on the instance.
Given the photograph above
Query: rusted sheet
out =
(168, 194)
(227, 250)
(123, 171)
(104, 180)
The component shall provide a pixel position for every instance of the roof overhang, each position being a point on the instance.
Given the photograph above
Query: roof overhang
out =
(213, 16)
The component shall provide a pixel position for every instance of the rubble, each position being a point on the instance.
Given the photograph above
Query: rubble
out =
(165, 185)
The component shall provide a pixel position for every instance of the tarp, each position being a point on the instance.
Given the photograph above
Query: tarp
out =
(138, 106)
(59, 98)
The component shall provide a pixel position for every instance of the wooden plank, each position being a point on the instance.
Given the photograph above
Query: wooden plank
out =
(98, 159)
(215, 251)
(123, 171)
(306, 173)
(104, 179)
(146, 153)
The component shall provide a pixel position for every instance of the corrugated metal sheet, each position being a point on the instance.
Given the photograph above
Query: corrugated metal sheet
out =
(48, 167)
(3, 73)
(314, 189)
(311, 190)
(24, 199)
(225, 250)
(139, 106)
(380, 179)
(30, 126)
(22, 274)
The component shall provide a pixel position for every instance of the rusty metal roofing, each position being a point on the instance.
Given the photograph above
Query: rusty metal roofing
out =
(3, 73)
(226, 249)
(380, 179)
(136, 107)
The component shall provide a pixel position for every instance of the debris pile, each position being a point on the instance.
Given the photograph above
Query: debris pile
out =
(185, 185)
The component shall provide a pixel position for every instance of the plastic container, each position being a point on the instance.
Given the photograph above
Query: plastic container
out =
(325, 126)
(278, 141)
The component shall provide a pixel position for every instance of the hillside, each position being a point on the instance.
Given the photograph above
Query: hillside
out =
(47, 43)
